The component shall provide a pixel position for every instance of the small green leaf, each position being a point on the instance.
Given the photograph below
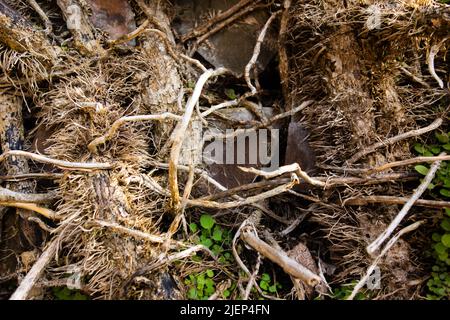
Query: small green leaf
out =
(193, 227)
(272, 289)
(436, 150)
(446, 224)
(265, 277)
(419, 148)
(447, 211)
(440, 248)
(436, 237)
(421, 169)
(207, 222)
(217, 235)
(264, 285)
(210, 273)
(442, 138)
(445, 192)
(207, 243)
(428, 154)
(226, 293)
(446, 240)
(230, 94)
(192, 293)
(446, 146)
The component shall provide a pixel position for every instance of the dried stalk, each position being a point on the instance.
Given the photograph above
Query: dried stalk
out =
(405, 163)
(362, 201)
(42, 15)
(7, 195)
(202, 29)
(295, 167)
(27, 284)
(281, 258)
(49, 214)
(139, 235)
(256, 52)
(178, 134)
(413, 133)
(221, 25)
(389, 245)
(120, 122)
(433, 52)
(250, 200)
(408, 205)
(83, 166)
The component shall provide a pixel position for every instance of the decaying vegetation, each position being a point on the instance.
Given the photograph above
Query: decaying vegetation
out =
(96, 119)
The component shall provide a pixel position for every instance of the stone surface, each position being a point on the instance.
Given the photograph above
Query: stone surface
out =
(113, 16)
(233, 46)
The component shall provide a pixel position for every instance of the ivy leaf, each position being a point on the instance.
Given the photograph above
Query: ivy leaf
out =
(436, 150)
(446, 240)
(210, 273)
(442, 138)
(447, 211)
(272, 289)
(193, 227)
(230, 94)
(207, 222)
(264, 285)
(440, 248)
(217, 235)
(207, 243)
(265, 277)
(192, 293)
(445, 192)
(436, 237)
(419, 148)
(421, 169)
(446, 224)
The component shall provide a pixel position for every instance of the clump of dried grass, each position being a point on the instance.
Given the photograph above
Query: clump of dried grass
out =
(398, 103)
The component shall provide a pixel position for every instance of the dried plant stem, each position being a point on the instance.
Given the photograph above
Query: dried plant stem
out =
(373, 247)
(256, 52)
(27, 284)
(220, 187)
(295, 167)
(83, 166)
(433, 52)
(179, 132)
(42, 15)
(135, 233)
(202, 29)
(371, 269)
(130, 36)
(362, 201)
(26, 176)
(7, 195)
(270, 121)
(120, 122)
(413, 133)
(405, 163)
(222, 24)
(49, 214)
(250, 200)
(289, 265)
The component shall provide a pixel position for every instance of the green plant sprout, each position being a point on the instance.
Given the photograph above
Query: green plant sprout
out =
(439, 283)
(218, 239)
(268, 286)
(345, 290)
